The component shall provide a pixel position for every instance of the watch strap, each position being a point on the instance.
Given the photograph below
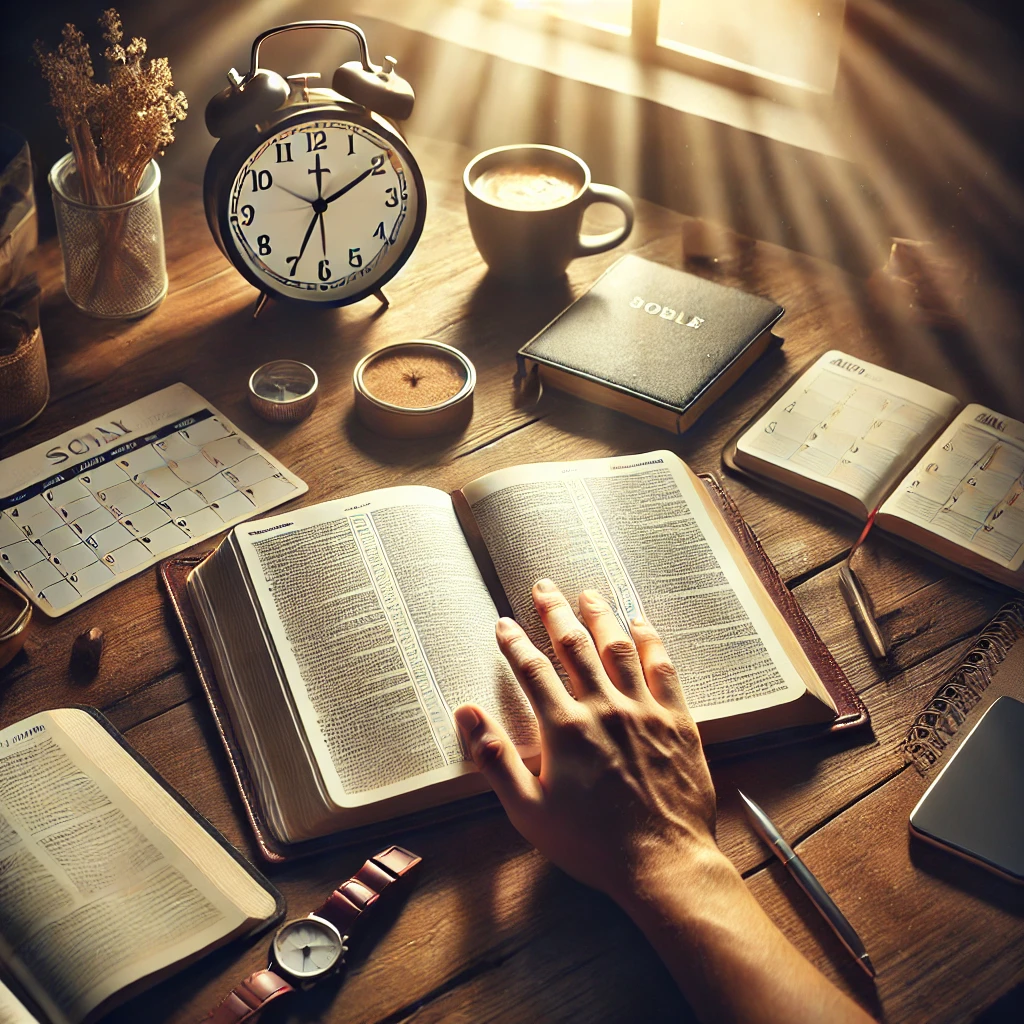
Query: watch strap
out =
(248, 998)
(345, 907)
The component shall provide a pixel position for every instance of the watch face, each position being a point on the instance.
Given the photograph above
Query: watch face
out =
(325, 210)
(308, 947)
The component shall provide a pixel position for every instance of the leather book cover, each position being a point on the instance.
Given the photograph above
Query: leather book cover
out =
(851, 711)
(657, 335)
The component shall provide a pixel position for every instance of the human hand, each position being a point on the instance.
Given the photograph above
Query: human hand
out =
(624, 794)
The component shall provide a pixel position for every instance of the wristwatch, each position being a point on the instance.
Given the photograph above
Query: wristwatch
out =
(306, 950)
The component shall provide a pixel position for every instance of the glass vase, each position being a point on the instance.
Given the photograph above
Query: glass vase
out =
(113, 255)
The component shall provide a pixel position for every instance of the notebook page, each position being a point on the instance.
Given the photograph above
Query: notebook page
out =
(969, 487)
(850, 425)
(383, 626)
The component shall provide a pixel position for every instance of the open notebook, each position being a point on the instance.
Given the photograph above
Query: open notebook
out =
(860, 437)
(344, 635)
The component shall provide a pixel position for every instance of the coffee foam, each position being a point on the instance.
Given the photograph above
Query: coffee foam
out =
(527, 186)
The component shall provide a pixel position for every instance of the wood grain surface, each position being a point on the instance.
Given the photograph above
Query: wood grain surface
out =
(493, 931)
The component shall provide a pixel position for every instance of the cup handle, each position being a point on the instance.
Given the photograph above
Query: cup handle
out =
(589, 245)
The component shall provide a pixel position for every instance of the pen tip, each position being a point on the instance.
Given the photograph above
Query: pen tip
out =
(746, 799)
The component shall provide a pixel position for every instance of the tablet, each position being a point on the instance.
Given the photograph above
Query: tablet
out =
(975, 807)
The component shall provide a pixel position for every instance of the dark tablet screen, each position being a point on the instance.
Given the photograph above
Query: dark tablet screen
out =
(976, 805)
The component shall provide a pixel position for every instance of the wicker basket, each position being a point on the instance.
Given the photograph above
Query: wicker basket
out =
(24, 384)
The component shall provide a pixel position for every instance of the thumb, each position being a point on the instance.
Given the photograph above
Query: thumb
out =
(496, 757)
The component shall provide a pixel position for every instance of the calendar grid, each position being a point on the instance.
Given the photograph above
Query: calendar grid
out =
(75, 533)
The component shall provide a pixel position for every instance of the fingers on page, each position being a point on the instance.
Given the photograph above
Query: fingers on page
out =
(495, 755)
(660, 673)
(615, 648)
(572, 641)
(535, 673)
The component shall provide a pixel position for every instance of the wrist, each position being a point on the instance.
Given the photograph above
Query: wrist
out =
(683, 885)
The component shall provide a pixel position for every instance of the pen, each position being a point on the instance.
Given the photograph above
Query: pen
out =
(856, 599)
(811, 886)
(857, 602)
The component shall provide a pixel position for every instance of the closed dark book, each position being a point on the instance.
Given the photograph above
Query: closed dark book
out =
(653, 342)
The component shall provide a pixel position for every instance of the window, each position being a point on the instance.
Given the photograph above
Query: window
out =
(751, 43)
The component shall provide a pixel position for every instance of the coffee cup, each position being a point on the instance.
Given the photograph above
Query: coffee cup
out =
(525, 206)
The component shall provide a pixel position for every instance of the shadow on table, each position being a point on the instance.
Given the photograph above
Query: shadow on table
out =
(864, 989)
(971, 878)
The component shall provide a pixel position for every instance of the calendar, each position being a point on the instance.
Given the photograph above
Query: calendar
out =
(850, 425)
(969, 486)
(100, 503)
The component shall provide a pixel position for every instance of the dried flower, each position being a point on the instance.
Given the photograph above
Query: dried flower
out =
(115, 127)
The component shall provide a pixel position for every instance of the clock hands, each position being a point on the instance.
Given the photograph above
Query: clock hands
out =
(320, 204)
(376, 162)
(317, 215)
(320, 172)
(291, 193)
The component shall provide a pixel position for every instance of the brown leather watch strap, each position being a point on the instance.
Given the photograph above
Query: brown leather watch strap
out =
(346, 905)
(248, 998)
(343, 908)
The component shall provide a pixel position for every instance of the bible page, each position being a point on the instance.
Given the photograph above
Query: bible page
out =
(383, 626)
(849, 425)
(969, 487)
(635, 529)
(94, 896)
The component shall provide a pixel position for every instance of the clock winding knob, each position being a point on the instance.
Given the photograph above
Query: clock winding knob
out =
(301, 81)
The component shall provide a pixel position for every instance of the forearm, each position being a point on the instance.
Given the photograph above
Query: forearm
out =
(726, 955)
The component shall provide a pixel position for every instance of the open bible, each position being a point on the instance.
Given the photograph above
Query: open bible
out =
(343, 635)
(108, 880)
(860, 437)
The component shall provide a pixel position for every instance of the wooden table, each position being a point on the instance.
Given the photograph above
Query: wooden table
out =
(493, 931)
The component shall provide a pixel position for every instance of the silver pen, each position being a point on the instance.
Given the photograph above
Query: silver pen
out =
(801, 874)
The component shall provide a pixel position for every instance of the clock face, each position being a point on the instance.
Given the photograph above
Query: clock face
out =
(308, 947)
(325, 211)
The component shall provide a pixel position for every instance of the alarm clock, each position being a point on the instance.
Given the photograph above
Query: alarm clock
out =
(312, 193)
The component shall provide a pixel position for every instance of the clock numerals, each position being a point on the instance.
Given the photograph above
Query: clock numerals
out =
(261, 180)
(316, 234)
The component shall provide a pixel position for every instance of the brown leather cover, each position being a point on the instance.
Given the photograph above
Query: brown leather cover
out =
(851, 711)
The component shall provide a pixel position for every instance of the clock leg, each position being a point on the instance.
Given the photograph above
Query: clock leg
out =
(260, 303)
(382, 299)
